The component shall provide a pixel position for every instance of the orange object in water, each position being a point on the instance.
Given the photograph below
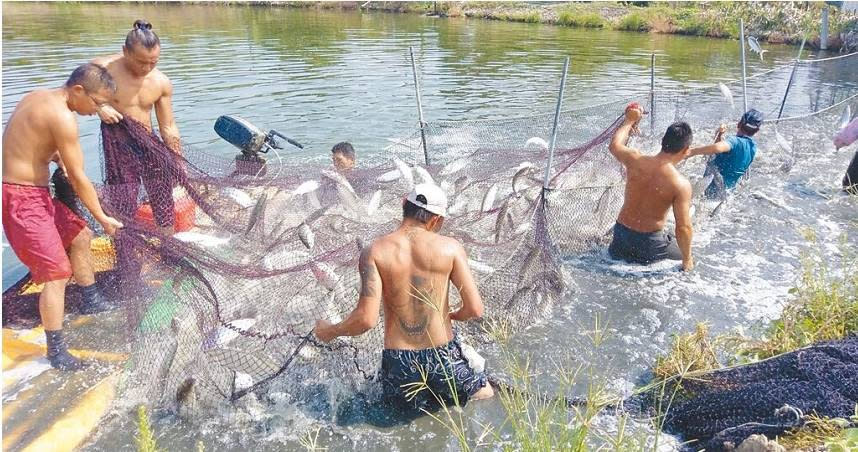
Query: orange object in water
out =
(185, 211)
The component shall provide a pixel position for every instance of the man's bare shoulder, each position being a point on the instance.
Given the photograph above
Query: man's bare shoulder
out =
(105, 61)
(160, 78)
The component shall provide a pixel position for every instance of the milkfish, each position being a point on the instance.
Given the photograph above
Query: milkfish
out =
(500, 219)
(728, 95)
(306, 187)
(480, 267)
(405, 172)
(845, 117)
(755, 46)
(223, 335)
(200, 239)
(424, 174)
(522, 172)
(460, 183)
(374, 202)
(308, 238)
(389, 176)
(325, 275)
(345, 191)
(700, 186)
(239, 196)
(538, 142)
(489, 198)
(454, 166)
(256, 213)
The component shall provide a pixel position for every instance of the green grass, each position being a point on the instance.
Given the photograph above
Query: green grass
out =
(145, 438)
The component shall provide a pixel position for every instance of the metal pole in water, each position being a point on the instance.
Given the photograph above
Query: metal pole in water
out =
(652, 93)
(554, 127)
(744, 73)
(791, 76)
(419, 107)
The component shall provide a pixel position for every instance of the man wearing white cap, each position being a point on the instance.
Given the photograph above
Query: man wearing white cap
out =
(409, 272)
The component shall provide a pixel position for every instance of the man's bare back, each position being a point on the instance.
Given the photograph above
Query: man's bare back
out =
(416, 267)
(653, 186)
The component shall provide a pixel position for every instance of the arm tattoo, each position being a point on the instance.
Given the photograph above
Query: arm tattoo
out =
(368, 279)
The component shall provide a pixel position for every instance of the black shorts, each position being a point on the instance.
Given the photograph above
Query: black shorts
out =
(850, 180)
(643, 247)
(446, 371)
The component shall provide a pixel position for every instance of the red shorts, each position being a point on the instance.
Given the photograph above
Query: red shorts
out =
(39, 229)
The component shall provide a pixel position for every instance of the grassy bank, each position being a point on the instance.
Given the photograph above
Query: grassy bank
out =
(774, 22)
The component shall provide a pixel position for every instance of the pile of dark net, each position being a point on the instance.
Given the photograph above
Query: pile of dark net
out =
(227, 307)
(722, 408)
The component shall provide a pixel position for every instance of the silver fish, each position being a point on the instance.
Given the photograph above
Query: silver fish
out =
(500, 219)
(524, 170)
(489, 198)
(460, 184)
(345, 191)
(374, 202)
(755, 46)
(308, 238)
(405, 172)
(845, 117)
(480, 267)
(603, 199)
(538, 142)
(782, 142)
(306, 187)
(700, 186)
(239, 196)
(424, 175)
(389, 176)
(256, 213)
(728, 95)
(200, 239)
(223, 335)
(325, 275)
(453, 166)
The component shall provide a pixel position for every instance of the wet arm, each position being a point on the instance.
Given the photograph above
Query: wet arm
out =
(715, 148)
(684, 232)
(463, 279)
(618, 147)
(71, 156)
(166, 120)
(365, 315)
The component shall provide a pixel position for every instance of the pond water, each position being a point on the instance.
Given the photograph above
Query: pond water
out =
(327, 76)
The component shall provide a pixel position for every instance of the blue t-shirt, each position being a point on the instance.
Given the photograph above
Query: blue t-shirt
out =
(733, 163)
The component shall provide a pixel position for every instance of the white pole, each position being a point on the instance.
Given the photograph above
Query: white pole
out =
(744, 70)
(652, 93)
(419, 107)
(551, 144)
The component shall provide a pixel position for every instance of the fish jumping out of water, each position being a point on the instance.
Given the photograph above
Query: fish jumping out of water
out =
(523, 171)
(389, 176)
(308, 238)
(326, 275)
(536, 142)
(405, 172)
(374, 202)
(728, 95)
(500, 220)
(845, 117)
(489, 198)
(480, 267)
(345, 191)
(306, 187)
(239, 196)
(755, 46)
(424, 175)
(454, 166)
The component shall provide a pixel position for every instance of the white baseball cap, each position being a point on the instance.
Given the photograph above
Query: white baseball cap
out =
(436, 199)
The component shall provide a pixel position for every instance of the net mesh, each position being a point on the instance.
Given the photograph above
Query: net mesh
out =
(224, 268)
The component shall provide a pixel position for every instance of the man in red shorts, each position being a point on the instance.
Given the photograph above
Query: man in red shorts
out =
(38, 229)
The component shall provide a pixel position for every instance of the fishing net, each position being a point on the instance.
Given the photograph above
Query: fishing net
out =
(769, 397)
(224, 264)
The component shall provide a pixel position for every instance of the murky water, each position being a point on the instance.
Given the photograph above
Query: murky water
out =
(323, 77)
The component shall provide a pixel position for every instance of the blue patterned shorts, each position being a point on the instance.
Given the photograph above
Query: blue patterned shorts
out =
(400, 367)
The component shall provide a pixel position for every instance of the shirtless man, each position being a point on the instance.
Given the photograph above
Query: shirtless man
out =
(343, 156)
(39, 229)
(409, 272)
(653, 185)
(128, 161)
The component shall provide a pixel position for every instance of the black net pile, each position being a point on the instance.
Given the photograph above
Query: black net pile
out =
(224, 266)
(770, 397)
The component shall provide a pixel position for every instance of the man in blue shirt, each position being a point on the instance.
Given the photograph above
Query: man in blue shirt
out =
(734, 155)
